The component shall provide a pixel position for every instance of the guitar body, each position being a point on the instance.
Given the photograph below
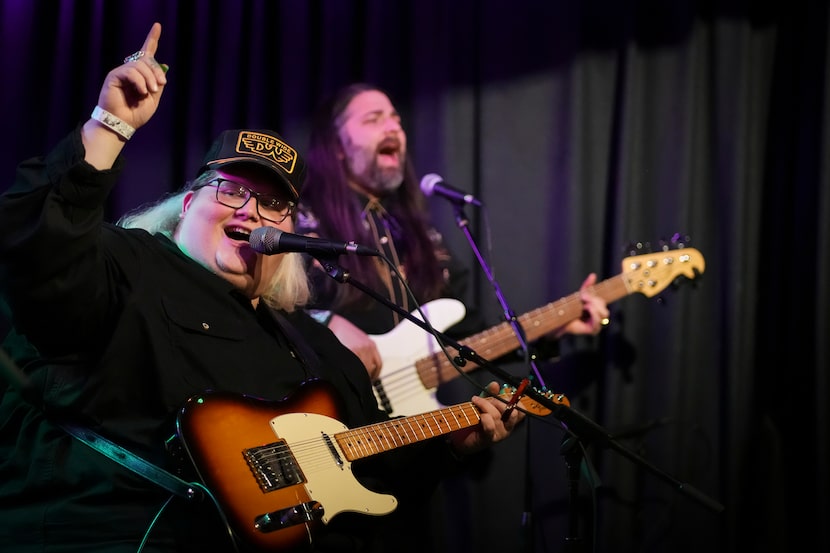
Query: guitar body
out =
(399, 389)
(271, 465)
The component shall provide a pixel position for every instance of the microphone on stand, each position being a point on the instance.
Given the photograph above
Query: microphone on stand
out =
(270, 240)
(435, 184)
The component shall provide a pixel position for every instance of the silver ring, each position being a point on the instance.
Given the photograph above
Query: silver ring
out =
(134, 56)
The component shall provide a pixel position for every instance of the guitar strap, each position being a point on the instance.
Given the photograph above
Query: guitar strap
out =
(122, 456)
(381, 224)
(308, 357)
(130, 460)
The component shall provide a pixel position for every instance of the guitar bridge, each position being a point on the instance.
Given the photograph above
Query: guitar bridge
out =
(291, 516)
(274, 466)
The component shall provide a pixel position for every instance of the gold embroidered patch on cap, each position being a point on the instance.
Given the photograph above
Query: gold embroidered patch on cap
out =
(268, 147)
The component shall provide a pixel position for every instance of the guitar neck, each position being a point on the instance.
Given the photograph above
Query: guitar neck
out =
(369, 440)
(500, 339)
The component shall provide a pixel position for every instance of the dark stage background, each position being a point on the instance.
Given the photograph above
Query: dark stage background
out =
(586, 128)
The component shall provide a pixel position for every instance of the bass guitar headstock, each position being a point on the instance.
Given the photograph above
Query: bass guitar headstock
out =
(650, 273)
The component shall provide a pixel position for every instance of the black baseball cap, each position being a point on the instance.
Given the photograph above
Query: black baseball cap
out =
(261, 147)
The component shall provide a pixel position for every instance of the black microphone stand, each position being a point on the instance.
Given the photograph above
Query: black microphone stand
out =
(580, 427)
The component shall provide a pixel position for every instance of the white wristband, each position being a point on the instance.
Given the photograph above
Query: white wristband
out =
(112, 122)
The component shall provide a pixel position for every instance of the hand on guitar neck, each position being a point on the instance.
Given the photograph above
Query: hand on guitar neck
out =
(594, 315)
(498, 419)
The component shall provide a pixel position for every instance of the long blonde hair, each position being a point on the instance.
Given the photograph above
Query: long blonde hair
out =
(289, 287)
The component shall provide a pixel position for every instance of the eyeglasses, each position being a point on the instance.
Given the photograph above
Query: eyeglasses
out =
(232, 194)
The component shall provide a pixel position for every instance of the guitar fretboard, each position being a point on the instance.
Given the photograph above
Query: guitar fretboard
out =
(500, 339)
(377, 438)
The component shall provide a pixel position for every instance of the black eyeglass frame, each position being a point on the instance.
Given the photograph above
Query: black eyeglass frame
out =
(217, 182)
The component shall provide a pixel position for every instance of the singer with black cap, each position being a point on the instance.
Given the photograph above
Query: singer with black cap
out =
(171, 338)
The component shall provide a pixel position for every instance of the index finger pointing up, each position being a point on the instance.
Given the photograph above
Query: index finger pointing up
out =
(151, 43)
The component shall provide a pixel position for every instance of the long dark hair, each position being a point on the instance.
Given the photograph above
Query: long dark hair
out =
(327, 194)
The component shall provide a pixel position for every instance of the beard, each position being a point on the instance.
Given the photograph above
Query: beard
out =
(364, 169)
(385, 180)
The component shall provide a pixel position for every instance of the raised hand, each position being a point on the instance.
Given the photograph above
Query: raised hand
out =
(132, 91)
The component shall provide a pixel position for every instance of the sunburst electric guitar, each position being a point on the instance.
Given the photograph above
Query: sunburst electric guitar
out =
(278, 470)
(414, 365)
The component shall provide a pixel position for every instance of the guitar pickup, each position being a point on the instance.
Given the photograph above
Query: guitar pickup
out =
(380, 391)
(291, 516)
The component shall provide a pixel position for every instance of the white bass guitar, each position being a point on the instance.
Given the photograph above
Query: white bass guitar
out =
(414, 365)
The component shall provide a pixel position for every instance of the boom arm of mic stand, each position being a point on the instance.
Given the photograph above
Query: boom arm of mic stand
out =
(575, 422)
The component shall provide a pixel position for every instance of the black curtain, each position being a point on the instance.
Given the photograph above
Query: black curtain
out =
(593, 131)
